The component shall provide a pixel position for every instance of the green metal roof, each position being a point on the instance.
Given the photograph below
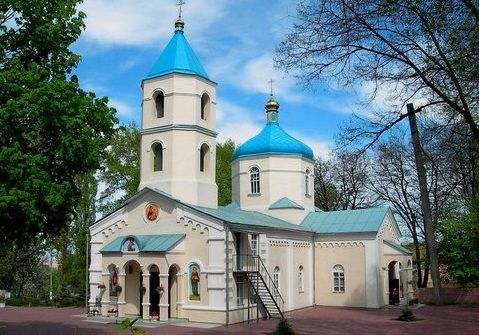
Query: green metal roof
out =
(146, 243)
(248, 218)
(233, 204)
(348, 221)
(398, 247)
(285, 203)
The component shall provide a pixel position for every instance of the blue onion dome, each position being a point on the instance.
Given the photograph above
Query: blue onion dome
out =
(178, 57)
(272, 140)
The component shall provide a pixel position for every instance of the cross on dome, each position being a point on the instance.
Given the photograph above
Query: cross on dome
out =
(270, 81)
(179, 4)
(179, 24)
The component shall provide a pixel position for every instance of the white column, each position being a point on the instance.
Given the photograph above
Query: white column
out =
(164, 297)
(105, 298)
(121, 295)
(146, 297)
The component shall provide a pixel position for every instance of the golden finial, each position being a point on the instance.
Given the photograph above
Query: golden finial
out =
(271, 104)
(179, 24)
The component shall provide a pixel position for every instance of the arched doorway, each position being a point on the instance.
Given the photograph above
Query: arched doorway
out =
(393, 275)
(154, 292)
(133, 292)
(173, 291)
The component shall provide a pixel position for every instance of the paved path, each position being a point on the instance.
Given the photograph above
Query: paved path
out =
(447, 320)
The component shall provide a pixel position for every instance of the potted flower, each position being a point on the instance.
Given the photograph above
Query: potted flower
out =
(154, 315)
(102, 288)
(160, 289)
(112, 310)
(142, 290)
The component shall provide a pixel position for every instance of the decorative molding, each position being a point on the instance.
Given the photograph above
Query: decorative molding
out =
(340, 244)
(279, 243)
(302, 244)
(183, 127)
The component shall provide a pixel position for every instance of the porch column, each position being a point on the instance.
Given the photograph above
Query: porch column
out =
(146, 297)
(180, 277)
(105, 296)
(164, 297)
(121, 295)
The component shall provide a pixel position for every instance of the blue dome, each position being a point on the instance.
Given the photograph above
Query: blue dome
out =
(178, 57)
(272, 140)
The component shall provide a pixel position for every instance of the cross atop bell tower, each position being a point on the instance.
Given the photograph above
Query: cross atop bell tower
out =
(180, 4)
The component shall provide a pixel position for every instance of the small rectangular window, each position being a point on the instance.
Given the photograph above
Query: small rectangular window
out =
(239, 290)
(254, 245)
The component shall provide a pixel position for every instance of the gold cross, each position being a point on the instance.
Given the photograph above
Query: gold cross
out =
(179, 4)
(271, 86)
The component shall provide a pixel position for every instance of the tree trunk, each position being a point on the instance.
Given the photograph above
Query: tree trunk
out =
(425, 205)
(417, 251)
(425, 279)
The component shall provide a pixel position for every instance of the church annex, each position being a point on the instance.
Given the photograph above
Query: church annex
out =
(171, 252)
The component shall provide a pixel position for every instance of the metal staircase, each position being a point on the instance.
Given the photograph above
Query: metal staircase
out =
(263, 285)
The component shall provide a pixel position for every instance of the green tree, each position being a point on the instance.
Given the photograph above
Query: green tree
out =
(71, 244)
(459, 247)
(120, 173)
(23, 271)
(52, 130)
(224, 151)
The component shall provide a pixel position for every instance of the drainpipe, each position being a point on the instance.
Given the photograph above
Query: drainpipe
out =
(227, 274)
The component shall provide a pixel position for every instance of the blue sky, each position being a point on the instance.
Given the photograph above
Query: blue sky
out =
(235, 41)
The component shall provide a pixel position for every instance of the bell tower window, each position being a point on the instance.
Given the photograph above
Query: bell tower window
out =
(205, 106)
(157, 157)
(204, 161)
(160, 105)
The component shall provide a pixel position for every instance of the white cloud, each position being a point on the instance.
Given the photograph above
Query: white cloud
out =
(123, 109)
(129, 64)
(142, 22)
(236, 123)
(255, 77)
(320, 148)
(389, 96)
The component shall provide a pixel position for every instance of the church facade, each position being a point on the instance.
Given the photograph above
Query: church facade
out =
(171, 252)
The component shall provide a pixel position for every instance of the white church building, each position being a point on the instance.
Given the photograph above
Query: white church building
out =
(171, 252)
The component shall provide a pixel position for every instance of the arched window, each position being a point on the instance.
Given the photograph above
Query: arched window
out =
(306, 182)
(160, 105)
(205, 106)
(254, 179)
(276, 281)
(204, 161)
(157, 157)
(338, 279)
(300, 279)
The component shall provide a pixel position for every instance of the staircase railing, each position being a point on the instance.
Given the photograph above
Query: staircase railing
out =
(254, 264)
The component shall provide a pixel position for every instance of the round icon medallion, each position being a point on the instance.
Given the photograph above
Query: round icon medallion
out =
(151, 212)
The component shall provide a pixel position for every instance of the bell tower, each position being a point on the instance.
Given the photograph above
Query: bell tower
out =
(178, 137)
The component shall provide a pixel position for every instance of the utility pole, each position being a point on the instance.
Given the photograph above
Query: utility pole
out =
(425, 205)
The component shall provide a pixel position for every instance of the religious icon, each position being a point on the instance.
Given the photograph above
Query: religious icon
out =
(195, 282)
(131, 245)
(151, 212)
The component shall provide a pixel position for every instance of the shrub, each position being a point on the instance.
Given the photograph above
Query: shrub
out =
(283, 328)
